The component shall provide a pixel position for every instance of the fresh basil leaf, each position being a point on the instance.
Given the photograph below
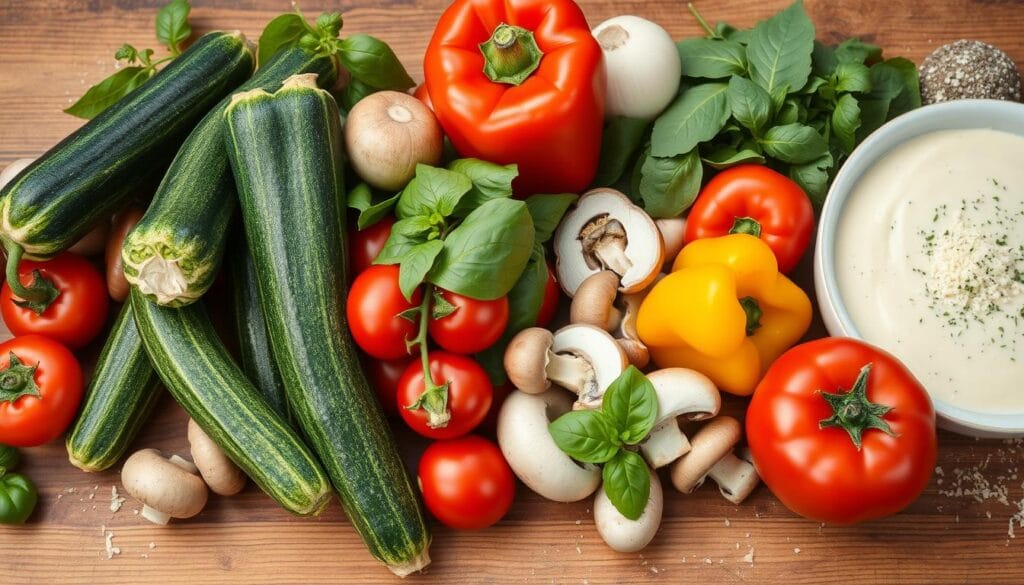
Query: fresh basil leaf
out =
(627, 483)
(546, 211)
(726, 31)
(751, 105)
(697, 115)
(283, 32)
(852, 77)
(910, 97)
(418, 260)
(109, 91)
(376, 212)
(793, 143)
(489, 181)
(779, 53)
(857, 51)
(360, 197)
(823, 59)
(669, 185)
(873, 113)
(813, 178)
(789, 113)
(328, 25)
(845, 121)
(417, 226)
(397, 246)
(631, 406)
(585, 435)
(886, 82)
(127, 53)
(432, 190)
(484, 256)
(726, 157)
(354, 91)
(620, 140)
(372, 61)
(711, 59)
(172, 27)
(814, 83)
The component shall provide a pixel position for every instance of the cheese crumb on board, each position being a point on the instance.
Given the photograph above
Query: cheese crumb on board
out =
(108, 543)
(116, 501)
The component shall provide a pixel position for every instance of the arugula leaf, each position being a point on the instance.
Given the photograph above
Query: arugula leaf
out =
(107, 92)
(696, 116)
(585, 435)
(627, 482)
(669, 185)
(620, 140)
(546, 212)
(779, 53)
(845, 121)
(417, 261)
(711, 59)
(432, 190)
(172, 27)
(489, 181)
(852, 77)
(283, 32)
(484, 256)
(372, 61)
(726, 157)
(751, 105)
(794, 143)
(631, 406)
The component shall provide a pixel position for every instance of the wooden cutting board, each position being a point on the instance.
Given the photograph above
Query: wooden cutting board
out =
(959, 531)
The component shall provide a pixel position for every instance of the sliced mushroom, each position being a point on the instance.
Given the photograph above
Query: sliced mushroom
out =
(673, 231)
(533, 455)
(681, 392)
(219, 472)
(623, 534)
(580, 358)
(594, 302)
(626, 333)
(606, 231)
(168, 488)
(711, 455)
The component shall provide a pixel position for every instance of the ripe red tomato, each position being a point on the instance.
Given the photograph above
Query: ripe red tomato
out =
(469, 394)
(466, 482)
(473, 326)
(759, 201)
(40, 390)
(821, 472)
(79, 311)
(365, 245)
(384, 375)
(373, 307)
(549, 306)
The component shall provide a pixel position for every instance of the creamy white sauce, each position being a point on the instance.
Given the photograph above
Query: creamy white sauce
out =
(930, 264)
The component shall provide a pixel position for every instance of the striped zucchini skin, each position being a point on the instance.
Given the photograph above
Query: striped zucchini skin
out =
(198, 371)
(85, 177)
(120, 398)
(257, 360)
(174, 252)
(287, 158)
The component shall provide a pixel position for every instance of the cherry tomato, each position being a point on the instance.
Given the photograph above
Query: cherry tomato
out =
(365, 245)
(79, 311)
(549, 306)
(40, 389)
(756, 200)
(473, 326)
(384, 375)
(466, 482)
(848, 469)
(469, 394)
(373, 308)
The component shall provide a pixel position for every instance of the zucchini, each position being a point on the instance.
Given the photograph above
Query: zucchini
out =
(175, 251)
(119, 400)
(251, 328)
(198, 371)
(84, 178)
(287, 158)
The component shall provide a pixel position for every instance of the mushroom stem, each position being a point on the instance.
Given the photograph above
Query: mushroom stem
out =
(184, 464)
(571, 372)
(604, 238)
(665, 444)
(155, 516)
(735, 477)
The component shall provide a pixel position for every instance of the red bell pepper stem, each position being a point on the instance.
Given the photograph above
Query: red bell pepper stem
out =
(510, 55)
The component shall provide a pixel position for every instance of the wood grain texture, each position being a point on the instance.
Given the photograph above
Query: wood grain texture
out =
(52, 50)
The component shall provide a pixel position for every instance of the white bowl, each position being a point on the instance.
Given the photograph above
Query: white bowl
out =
(955, 115)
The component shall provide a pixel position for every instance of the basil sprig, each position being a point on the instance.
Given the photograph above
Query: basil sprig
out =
(609, 436)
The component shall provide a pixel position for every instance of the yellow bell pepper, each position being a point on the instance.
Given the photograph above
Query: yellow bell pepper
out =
(725, 311)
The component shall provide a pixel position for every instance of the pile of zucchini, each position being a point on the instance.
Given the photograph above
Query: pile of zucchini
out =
(272, 142)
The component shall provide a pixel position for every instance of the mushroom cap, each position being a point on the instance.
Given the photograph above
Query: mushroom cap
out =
(673, 232)
(599, 348)
(533, 455)
(526, 359)
(219, 472)
(685, 392)
(643, 247)
(708, 446)
(163, 485)
(594, 302)
(621, 533)
(636, 352)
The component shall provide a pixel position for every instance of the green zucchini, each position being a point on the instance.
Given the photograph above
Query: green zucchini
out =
(287, 158)
(174, 252)
(251, 327)
(198, 371)
(119, 400)
(84, 178)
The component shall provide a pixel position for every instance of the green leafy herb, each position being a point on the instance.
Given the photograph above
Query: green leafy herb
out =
(371, 205)
(172, 28)
(711, 58)
(631, 405)
(779, 52)
(372, 61)
(488, 181)
(281, 32)
(750, 103)
(696, 116)
(627, 481)
(417, 262)
(669, 185)
(621, 138)
(794, 143)
(546, 212)
(588, 435)
(433, 192)
(845, 121)
(726, 157)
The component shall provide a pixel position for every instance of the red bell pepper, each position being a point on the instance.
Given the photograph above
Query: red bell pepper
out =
(520, 81)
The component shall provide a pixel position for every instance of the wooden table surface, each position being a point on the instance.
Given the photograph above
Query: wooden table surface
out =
(959, 531)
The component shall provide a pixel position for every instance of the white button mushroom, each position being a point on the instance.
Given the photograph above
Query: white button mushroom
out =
(642, 64)
(673, 231)
(623, 534)
(594, 302)
(680, 392)
(219, 472)
(533, 455)
(168, 488)
(606, 231)
(711, 456)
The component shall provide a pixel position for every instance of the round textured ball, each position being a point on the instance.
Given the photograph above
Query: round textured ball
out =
(968, 69)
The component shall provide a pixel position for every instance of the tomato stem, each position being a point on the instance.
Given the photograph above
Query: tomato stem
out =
(434, 399)
(17, 380)
(510, 55)
(37, 297)
(854, 413)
